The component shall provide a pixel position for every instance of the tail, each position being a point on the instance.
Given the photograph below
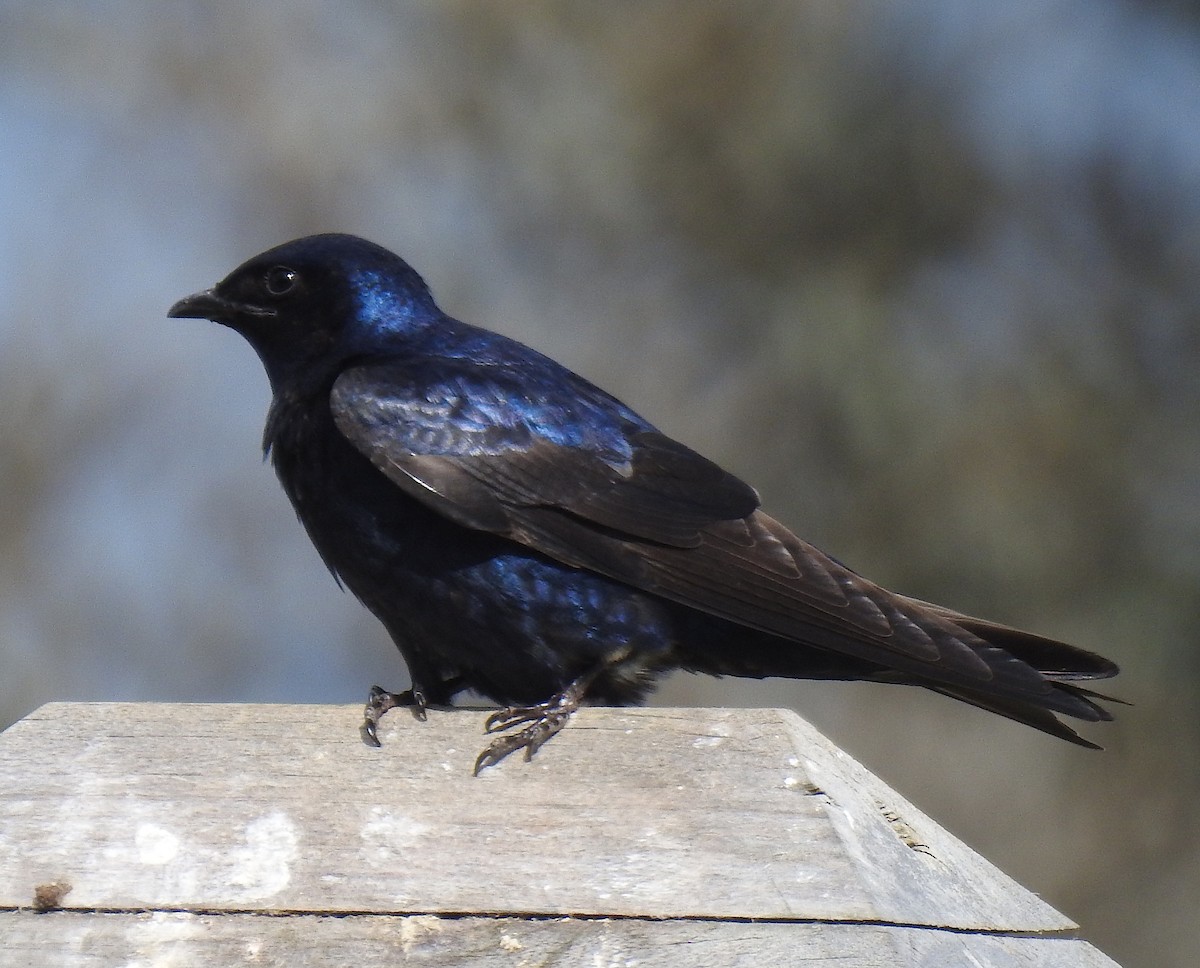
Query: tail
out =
(1061, 665)
(1033, 679)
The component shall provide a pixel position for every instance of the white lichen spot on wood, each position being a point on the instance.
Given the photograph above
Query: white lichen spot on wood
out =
(155, 844)
(263, 866)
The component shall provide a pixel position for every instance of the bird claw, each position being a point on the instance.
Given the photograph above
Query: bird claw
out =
(379, 701)
(545, 720)
(541, 721)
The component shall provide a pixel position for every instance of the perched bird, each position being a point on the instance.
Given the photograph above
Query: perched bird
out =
(523, 534)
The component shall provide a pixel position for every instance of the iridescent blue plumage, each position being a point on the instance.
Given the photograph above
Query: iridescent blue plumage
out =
(522, 533)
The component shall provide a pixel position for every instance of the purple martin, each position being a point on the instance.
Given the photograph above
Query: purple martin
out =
(523, 534)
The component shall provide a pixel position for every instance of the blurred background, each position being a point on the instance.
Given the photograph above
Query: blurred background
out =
(927, 274)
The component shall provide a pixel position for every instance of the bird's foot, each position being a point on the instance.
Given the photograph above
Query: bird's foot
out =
(379, 701)
(545, 719)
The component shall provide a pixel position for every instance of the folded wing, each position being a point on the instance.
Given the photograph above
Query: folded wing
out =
(569, 472)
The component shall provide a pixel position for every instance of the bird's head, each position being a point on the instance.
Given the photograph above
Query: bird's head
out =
(310, 305)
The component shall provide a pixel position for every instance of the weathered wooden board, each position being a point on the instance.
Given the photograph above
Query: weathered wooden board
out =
(160, 818)
(383, 941)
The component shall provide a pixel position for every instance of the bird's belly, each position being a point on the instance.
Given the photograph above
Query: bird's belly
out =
(518, 626)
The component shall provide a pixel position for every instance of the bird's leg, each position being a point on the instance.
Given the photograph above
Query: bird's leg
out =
(545, 719)
(379, 701)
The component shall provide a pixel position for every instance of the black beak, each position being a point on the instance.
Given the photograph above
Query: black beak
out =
(202, 305)
(210, 305)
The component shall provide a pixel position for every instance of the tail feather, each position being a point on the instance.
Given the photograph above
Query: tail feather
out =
(1023, 712)
(1060, 664)
(1053, 659)
(1033, 679)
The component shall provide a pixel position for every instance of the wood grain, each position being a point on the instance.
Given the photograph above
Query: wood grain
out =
(382, 941)
(140, 820)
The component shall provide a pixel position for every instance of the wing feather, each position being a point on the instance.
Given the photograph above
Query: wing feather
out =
(641, 508)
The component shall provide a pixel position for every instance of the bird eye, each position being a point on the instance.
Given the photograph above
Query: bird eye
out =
(281, 280)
